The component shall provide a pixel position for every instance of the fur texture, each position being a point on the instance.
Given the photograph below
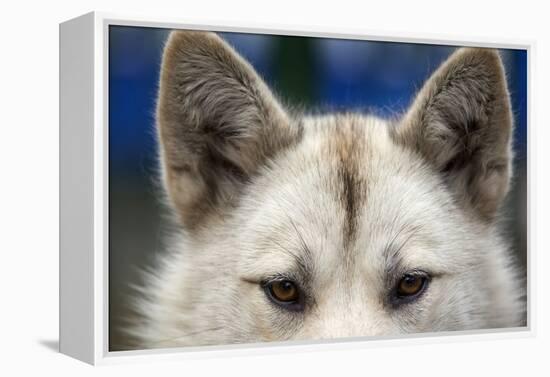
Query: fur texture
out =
(344, 204)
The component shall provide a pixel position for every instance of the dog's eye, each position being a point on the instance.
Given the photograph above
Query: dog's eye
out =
(284, 290)
(284, 293)
(411, 285)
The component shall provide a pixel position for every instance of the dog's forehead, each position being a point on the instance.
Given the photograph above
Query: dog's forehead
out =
(344, 166)
(346, 187)
(354, 160)
(344, 136)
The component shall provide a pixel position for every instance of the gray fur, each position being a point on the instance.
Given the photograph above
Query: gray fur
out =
(345, 204)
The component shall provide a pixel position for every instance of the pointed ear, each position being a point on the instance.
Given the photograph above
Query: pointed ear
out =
(461, 123)
(217, 122)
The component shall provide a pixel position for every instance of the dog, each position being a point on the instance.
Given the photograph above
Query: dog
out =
(300, 227)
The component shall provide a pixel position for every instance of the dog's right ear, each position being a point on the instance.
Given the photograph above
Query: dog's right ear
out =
(218, 125)
(461, 123)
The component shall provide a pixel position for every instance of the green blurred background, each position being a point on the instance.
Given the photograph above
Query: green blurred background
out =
(319, 74)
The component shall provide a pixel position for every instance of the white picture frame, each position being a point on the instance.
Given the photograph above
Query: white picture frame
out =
(84, 193)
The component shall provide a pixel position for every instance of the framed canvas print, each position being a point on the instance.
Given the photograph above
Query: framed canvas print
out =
(255, 190)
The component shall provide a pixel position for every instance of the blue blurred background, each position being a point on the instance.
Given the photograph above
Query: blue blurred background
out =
(319, 74)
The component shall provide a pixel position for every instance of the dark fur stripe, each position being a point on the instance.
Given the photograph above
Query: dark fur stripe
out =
(352, 194)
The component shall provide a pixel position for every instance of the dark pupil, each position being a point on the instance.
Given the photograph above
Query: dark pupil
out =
(410, 281)
(286, 286)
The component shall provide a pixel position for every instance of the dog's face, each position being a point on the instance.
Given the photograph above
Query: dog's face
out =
(299, 227)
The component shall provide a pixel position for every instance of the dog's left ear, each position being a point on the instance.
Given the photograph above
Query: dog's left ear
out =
(218, 126)
(461, 123)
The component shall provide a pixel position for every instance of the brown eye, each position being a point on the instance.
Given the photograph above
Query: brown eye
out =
(284, 291)
(285, 294)
(411, 285)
